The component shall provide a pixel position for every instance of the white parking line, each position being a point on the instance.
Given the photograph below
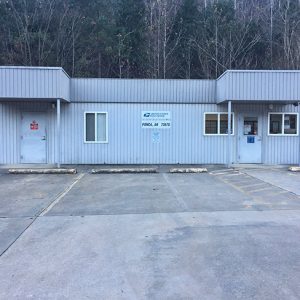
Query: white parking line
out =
(56, 200)
(47, 209)
(269, 188)
(178, 198)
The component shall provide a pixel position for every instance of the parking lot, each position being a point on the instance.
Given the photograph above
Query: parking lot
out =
(226, 234)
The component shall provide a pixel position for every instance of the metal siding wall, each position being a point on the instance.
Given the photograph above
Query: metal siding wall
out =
(184, 142)
(64, 86)
(259, 85)
(143, 90)
(8, 134)
(282, 149)
(223, 87)
(10, 121)
(129, 143)
(33, 83)
(275, 149)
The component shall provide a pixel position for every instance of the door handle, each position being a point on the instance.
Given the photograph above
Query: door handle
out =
(259, 138)
(44, 138)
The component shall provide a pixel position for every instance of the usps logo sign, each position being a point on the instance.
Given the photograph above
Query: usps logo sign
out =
(156, 119)
(34, 125)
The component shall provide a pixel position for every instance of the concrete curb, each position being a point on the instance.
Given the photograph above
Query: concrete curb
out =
(124, 170)
(42, 171)
(294, 169)
(188, 170)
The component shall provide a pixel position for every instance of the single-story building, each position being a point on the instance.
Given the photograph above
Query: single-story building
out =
(242, 117)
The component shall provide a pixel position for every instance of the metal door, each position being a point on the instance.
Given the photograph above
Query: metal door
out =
(33, 137)
(250, 138)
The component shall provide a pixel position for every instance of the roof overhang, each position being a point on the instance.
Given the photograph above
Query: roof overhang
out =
(259, 86)
(267, 102)
(34, 84)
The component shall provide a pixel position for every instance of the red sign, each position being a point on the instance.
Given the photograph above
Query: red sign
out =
(34, 125)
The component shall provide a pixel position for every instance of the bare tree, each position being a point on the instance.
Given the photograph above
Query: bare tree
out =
(289, 17)
(160, 20)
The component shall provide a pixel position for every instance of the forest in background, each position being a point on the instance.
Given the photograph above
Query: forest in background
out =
(151, 38)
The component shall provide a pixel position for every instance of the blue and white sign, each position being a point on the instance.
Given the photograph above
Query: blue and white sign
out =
(156, 119)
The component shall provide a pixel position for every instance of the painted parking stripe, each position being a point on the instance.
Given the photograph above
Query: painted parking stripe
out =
(47, 209)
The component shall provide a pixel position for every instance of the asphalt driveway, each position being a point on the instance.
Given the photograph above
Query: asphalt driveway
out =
(223, 235)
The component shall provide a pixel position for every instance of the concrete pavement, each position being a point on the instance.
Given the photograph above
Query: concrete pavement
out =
(148, 236)
(286, 180)
(28, 195)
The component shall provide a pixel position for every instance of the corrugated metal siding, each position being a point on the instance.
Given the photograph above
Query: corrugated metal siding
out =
(10, 137)
(183, 143)
(65, 86)
(129, 143)
(259, 86)
(143, 90)
(275, 149)
(282, 149)
(222, 87)
(9, 128)
(34, 83)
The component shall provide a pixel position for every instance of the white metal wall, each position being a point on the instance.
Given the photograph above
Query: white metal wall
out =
(128, 143)
(282, 149)
(143, 90)
(38, 83)
(275, 149)
(259, 85)
(184, 142)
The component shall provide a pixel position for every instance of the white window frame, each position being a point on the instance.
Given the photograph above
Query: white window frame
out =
(96, 133)
(282, 120)
(219, 123)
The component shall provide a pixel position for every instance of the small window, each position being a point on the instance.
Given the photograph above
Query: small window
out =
(96, 127)
(283, 123)
(224, 124)
(290, 124)
(275, 123)
(217, 123)
(250, 126)
(211, 124)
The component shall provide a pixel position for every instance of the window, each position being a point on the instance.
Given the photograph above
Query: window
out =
(95, 127)
(283, 124)
(217, 123)
(250, 125)
(211, 124)
(275, 123)
(224, 123)
(290, 124)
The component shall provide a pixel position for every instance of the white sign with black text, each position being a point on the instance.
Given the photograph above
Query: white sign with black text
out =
(156, 119)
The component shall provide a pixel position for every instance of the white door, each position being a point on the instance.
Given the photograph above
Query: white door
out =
(250, 138)
(33, 137)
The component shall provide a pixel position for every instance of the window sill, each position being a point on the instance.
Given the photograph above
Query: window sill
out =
(217, 134)
(294, 135)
